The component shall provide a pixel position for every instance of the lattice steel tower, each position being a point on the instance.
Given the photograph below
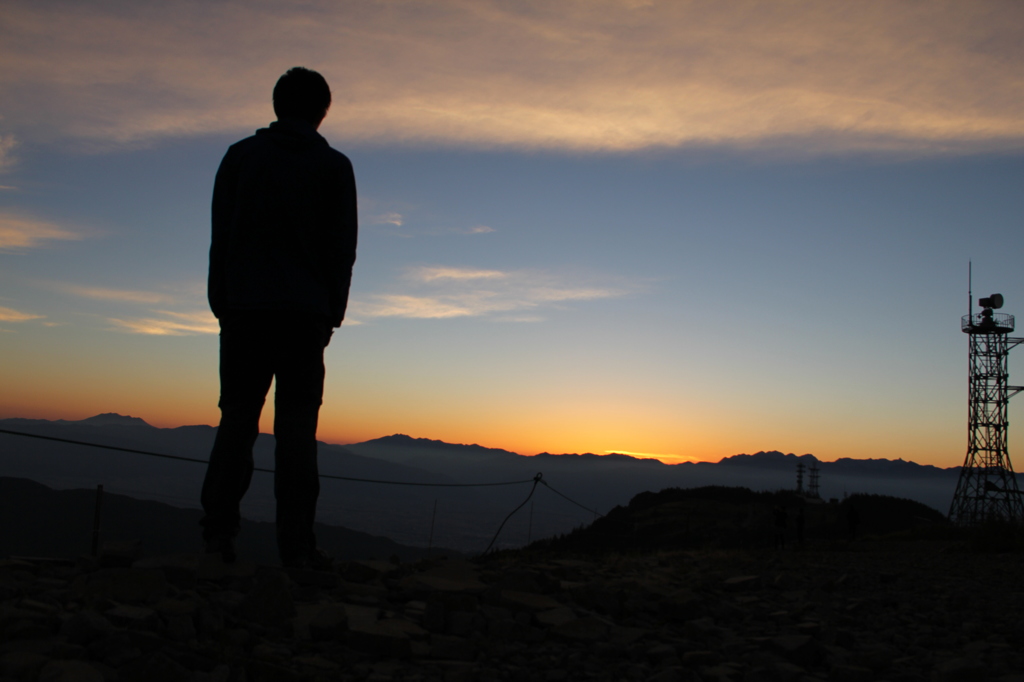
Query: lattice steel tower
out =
(987, 489)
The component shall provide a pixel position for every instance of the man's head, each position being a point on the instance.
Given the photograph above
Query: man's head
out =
(303, 94)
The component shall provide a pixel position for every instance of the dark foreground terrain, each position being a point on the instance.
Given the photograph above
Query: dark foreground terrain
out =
(878, 609)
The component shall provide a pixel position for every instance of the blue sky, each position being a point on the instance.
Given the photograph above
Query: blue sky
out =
(683, 229)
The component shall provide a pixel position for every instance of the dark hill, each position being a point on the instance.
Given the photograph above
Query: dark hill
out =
(733, 517)
(38, 521)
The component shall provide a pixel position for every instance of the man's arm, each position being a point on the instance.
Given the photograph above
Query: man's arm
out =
(222, 213)
(344, 237)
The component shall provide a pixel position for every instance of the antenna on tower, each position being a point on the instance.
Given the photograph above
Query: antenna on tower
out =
(970, 296)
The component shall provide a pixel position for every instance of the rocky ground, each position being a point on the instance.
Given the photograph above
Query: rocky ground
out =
(867, 611)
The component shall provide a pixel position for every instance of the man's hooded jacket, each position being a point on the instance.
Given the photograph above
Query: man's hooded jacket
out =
(284, 225)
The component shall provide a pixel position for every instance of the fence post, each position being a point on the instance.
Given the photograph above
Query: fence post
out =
(96, 520)
(430, 541)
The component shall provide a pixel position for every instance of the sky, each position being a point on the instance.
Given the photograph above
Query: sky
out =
(676, 229)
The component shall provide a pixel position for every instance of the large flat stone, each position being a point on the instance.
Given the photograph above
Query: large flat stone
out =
(527, 601)
(134, 617)
(383, 638)
(269, 602)
(556, 616)
(329, 622)
(133, 585)
(423, 582)
(587, 629)
(70, 671)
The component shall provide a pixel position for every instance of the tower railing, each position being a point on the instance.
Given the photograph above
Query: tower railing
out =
(980, 323)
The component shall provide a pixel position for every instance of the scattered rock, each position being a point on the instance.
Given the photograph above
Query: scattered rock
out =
(70, 671)
(85, 626)
(958, 670)
(687, 616)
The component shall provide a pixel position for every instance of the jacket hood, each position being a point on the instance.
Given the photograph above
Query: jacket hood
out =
(293, 132)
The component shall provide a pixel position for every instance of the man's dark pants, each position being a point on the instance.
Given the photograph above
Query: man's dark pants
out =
(256, 347)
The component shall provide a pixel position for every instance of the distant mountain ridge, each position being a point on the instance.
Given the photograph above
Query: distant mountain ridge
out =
(610, 457)
(105, 419)
(389, 486)
(774, 458)
(402, 440)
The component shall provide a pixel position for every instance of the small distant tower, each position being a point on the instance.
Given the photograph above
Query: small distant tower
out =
(987, 489)
(813, 490)
(800, 478)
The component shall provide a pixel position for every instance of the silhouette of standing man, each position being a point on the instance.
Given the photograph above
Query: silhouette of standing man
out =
(284, 241)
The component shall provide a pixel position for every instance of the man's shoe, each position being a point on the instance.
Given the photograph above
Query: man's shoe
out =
(225, 546)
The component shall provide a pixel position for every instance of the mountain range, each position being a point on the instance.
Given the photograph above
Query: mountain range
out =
(574, 490)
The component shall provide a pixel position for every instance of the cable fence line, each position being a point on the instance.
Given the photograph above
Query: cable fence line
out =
(105, 447)
(566, 497)
(539, 478)
(267, 471)
(535, 480)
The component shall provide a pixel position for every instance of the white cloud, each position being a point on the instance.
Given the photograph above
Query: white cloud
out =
(585, 75)
(19, 232)
(447, 292)
(12, 315)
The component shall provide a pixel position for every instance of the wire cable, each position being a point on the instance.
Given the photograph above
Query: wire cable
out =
(268, 471)
(105, 447)
(595, 513)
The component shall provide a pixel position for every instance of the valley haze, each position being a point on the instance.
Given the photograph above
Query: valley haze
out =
(579, 486)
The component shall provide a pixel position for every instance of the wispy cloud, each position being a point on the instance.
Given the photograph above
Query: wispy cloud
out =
(19, 232)
(171, 324)
(447, 292)
(141, 311)
(106, 294)
(7, 160)
(12, 315)
(420, 307)
(390, 218)
(574, 75)
(436, 273)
